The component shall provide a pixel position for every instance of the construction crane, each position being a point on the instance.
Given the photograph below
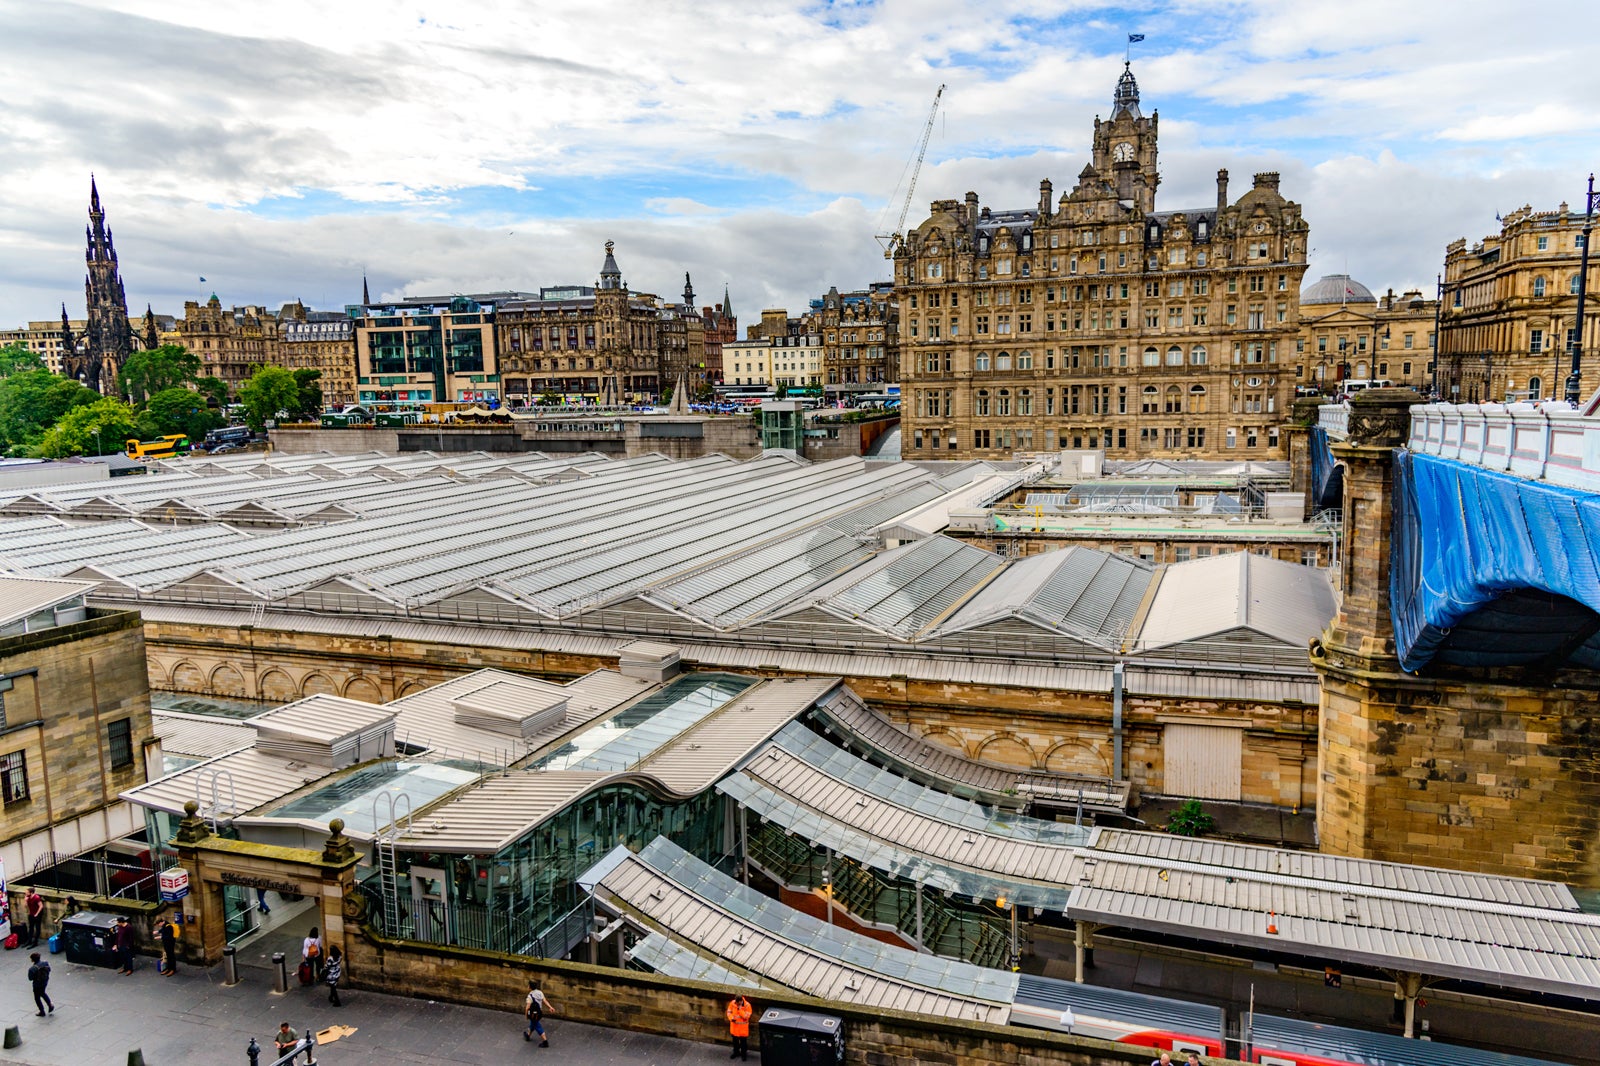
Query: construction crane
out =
(892, 241)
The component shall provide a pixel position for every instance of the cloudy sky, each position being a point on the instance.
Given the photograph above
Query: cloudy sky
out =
(281, 150)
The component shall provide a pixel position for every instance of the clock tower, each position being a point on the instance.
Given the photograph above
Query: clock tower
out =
(1125, 146)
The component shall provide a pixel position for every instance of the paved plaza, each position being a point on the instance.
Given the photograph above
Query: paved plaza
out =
(191, 1018)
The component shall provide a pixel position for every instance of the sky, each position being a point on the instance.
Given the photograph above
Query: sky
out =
(282, 151)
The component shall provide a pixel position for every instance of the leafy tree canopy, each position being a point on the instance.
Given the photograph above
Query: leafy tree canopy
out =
(177, 410)
(270, 390)
(16, 358)
(309, 382)
(215, 391)
(31, 401)
(149, 372)
(97, 428)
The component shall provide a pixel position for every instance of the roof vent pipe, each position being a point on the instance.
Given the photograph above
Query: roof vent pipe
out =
(1116, 722)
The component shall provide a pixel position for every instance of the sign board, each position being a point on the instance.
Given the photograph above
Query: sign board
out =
(174, 884)
(5, 905)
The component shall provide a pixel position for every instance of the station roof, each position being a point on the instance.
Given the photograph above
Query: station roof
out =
(23, 596)
(1230, 596)
(665, 888)
(199, 736)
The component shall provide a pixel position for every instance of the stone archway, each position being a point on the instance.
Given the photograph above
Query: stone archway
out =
(1077, 757)
(316, 684)
(186, 677)
(276, 686)
(1007, 749)
(226, 680)
(946, 739)
(406, 689)
(362, 688)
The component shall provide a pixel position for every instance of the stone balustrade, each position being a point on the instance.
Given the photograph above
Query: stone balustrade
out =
(1547, 442)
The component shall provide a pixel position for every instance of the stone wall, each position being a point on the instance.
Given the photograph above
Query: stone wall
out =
(352, 441)
(693, 1010)
(73, 682)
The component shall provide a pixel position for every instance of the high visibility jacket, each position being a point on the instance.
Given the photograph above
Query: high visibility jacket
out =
(738, 1017)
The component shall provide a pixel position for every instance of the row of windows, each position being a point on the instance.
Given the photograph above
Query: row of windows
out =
(1001, 297)
(1022, 439)
(14, 766)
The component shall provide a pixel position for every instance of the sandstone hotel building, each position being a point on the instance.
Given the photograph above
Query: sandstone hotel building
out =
(1096, 321)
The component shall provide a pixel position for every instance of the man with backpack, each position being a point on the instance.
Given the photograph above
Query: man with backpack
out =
(167, 930)
(535, 1007)
(39, 977)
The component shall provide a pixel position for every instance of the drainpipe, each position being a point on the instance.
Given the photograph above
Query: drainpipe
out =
(1116, 722)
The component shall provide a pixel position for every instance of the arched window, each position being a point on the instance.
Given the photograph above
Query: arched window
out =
(1198, 401)
(1572, 285)
(1538, 286)
(1197, 355)
(1174, 400)
(1002, 361)
(1150, 401)
(1535, 388)
(1152, 356)
(1174, 356)
(1363, 371)
(980, 361)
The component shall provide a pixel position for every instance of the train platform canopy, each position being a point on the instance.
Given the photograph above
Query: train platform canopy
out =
(664, 888)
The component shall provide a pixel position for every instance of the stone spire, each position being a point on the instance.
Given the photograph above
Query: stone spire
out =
(151, 337)
(366, 297)
(727, 304)
(108, 335)
(688, 291)
(1127, 95)
(610, 274)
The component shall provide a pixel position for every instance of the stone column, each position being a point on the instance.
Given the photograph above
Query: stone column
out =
(1303, 415)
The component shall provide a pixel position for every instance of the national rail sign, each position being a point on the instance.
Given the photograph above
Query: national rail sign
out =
(174, 884)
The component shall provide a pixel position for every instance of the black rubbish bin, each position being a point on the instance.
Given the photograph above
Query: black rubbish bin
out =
(799, 1038)
(91, 938)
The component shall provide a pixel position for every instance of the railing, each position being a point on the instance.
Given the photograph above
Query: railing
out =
(1545, 442)
(1335, 418)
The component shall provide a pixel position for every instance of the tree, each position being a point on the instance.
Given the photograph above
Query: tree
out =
(215, 391)
(1190, 820)
(178, 410)
(149, 372)
(16, 358)
(309, 384)
(31, 401)
(97, 428)
(270, 392)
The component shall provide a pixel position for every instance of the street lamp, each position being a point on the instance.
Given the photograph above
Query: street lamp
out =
(1574, 380)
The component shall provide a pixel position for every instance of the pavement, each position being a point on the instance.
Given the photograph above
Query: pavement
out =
(192, 1018)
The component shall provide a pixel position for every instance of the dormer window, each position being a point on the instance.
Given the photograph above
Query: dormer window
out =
(1155, 232)
(1200, 229)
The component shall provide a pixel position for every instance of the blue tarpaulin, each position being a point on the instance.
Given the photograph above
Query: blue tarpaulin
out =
(1327, 476)
(1491, 568)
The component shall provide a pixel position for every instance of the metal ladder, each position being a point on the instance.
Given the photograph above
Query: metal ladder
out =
(216, 778)
(383, 842)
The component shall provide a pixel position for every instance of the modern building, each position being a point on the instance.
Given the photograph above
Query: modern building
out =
(1099, 321)
(429, 349)
(1348, 333)
(108, 337)
(74, 722)
(860, 344)
(1510, 309)
(324, 341)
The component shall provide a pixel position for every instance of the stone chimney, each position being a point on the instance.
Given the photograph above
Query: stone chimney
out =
(972, 209)
(1222, 190)
(1045, 191)
(1267, 179)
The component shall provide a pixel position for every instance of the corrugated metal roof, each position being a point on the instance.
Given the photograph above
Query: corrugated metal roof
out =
(245, 781)
(823, 967)
(493, 813)
(22, 596)
(1092, 595)
(322, 718)
(1283, 601)
(199, 736)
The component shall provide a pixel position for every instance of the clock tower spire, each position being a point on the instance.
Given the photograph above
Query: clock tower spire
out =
(1125, 146)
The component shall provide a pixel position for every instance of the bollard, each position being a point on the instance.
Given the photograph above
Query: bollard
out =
(310, 1044)
(254, 1051)
(13, 1036)
(230, 966)
(280, 973)
(136, 1057)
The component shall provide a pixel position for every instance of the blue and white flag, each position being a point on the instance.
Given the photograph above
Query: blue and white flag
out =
(1135, 38)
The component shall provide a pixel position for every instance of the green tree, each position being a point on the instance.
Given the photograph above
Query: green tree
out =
(309, 382)
(31, 401)
(149, 372)
(215, 391)
(178, 410)
(97, 428)
(270, 390)
(16, 358)
(1190, 820)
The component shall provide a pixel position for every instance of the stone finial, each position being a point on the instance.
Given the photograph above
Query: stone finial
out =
(192, 828)
(337, 848)
(1304, 410)
(1381, 418)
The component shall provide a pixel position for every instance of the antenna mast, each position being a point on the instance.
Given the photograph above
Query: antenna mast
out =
(892, 241)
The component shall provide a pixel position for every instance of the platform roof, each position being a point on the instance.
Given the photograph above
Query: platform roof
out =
(1234, 594)
(23, 596)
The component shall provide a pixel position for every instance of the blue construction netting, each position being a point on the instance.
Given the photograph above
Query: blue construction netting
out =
(1473, 542)
(1327, 476)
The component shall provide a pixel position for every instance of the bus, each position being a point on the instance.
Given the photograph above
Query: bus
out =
(167, 447)
(227, 435)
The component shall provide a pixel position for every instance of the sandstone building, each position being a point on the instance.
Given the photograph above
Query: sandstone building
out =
(438, 349)
(1348, 333)
(45, 339)
(1510, 309)
(324, 341)
(858, 331)
(1096, 320)
(231, 342)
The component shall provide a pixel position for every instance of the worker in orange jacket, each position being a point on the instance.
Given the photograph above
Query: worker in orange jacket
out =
(739, 1027)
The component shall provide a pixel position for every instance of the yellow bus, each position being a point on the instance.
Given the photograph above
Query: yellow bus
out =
(161, 448)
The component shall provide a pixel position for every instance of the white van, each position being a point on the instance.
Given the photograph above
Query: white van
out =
(1352, 386)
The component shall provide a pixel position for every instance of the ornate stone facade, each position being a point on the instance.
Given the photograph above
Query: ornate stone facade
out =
(323, 341)
(231, 342)
(108, 338)
(859, 339)
(1348, 333)
(1097, 321)
(1510, 309)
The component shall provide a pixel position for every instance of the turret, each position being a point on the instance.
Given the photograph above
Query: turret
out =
(610, 274)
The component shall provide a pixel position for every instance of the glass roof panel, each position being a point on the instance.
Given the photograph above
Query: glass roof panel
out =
(639, 730)
(352, 796)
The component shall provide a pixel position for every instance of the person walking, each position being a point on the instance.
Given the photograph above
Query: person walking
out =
(35, 907)
(168, 931)
(261, 901)
(311, 952)
(39, 977)
(739, 1027)
(536, 1006)
(285, 1039)
(332, 974)
(122, 941)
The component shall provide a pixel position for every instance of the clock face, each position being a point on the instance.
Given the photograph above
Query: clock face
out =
(1259, 227)
(1122, 153)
